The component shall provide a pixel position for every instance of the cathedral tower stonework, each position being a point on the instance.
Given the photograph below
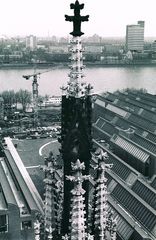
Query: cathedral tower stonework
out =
(76, 140)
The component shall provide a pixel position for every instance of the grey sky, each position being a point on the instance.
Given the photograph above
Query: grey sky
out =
(107, 17)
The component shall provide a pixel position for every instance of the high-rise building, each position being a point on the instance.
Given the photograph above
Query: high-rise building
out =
(135, 37)
(154, 46)
(31, 42)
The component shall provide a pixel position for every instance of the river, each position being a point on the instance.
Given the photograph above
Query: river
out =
(102, 78)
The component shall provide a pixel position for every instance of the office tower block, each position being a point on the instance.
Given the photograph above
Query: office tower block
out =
(135, 37)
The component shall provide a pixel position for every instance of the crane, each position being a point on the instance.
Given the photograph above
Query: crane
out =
(35, 85)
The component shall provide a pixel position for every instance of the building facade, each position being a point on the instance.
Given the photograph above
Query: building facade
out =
(154, 46)
(135, 37)
(31, 42)
(1, 108)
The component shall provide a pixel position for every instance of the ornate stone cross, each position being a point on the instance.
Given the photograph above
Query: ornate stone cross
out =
(77, 18)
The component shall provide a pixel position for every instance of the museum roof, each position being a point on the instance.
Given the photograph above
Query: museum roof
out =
(129, 147)
(7, 196)
(21, 178)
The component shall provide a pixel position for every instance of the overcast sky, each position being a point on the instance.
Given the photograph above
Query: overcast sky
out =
(46, 17)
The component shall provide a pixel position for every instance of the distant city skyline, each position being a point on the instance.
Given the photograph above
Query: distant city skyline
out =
(46, 18)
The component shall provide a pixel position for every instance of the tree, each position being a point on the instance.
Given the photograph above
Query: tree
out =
(9, 97)
(23, 97)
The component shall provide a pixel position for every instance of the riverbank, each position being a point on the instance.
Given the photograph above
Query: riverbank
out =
(65, 65)
(30, 65)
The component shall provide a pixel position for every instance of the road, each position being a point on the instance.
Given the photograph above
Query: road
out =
(41, 148)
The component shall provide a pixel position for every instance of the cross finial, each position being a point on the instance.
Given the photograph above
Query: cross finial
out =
(77, 18)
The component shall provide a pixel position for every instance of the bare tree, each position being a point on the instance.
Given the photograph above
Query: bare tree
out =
(23, 97)
(9, 97)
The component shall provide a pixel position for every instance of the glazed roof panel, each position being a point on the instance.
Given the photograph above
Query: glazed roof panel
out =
(145, 192)
(131, 148)
(9, 196)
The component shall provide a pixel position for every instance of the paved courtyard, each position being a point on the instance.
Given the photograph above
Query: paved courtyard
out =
(32, 153)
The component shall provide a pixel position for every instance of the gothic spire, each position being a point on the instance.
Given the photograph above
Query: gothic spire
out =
(52, 204)
(112, 225)
(76, 117)
(77, 220)
(76, 86)
(37, 230)
(77, 19)
(101, 204)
